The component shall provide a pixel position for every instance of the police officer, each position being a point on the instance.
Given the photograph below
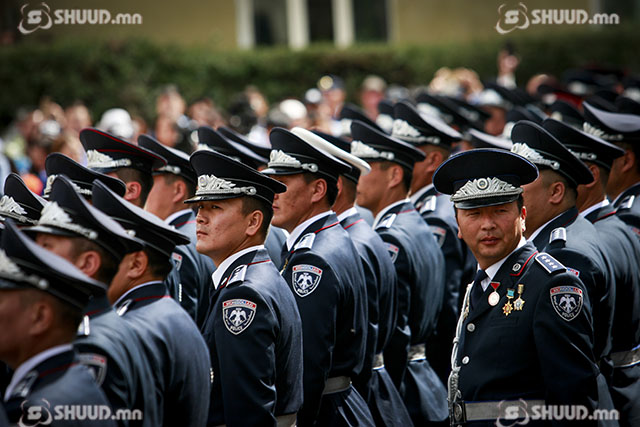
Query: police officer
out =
(253, 329)
(118, 158)
(623, 251)
(42, 298)
(177, 354)
(73, 229)
(323, 270)
(232, 144)
(418, 262)
(551, 204)
(623, 186)
(524, 337)
(435, 138)
(374, 382)
(190, 280)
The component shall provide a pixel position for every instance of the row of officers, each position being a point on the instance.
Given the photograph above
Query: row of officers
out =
(197, 290)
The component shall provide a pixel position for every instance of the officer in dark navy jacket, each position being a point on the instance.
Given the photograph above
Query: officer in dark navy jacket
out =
(323, 270)
(435, 138)
(73, 229)
(524, 338)
(118, 158)
(232, 144)
(176, 352)
(253, 328)
(374, 382)
(190, 280)
(623, 251)
(623, 186)
(43, 297)
(419, 265)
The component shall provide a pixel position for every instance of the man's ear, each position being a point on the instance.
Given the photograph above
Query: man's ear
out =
(629, 160)
(42, 316)
(179, 191)
(254, 223)
(319, 190)
(138, 264)
(89, 263)
(556, 192)
(595, 171)
(134, 190)
(394, 175)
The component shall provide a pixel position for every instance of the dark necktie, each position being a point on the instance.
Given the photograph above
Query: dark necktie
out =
(284, 254)
(476, 290)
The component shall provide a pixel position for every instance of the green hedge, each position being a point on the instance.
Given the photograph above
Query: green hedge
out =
(129, 73)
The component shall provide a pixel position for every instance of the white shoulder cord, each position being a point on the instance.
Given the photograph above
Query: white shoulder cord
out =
(454, 393)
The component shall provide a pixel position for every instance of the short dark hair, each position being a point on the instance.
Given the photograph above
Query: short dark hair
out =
(159, 264)
(407, 174)
(131, 175)
(635, 148)
(170, 178)
(332, 186)
(349, 189)
(250, 204)
(108, 262)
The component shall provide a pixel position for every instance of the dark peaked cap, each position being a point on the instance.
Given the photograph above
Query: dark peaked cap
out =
(351, 112)
(484, 177)
(584, 146)
(419, 129)
(220, 177)
(69, 214)
(107, 153)
(148, 228)
(26, 265)
(234, 136)
(538, 146)
(291, 155)
(372, 145)
(211, 139)
(19, 203)
(82, 177)
(612, 127)
(177, 161)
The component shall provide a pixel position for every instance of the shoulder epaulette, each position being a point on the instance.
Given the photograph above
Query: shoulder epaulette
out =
(387, 221)
(558, 236)
(84, 330)
(306, 242)
(627, 202)
(237, 275)
(429, 204)
(549, 263)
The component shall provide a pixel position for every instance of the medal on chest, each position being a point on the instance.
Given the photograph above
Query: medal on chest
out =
(507, 308)
(519, 303)
(493, 296)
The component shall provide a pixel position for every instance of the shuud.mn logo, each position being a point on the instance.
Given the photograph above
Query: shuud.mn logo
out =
(34, 17)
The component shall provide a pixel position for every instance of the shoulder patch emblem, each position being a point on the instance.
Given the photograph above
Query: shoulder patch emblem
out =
(305, 279)
(237, 275)
(306, 242)
(177, 259)
(97, 365)
(387, 221)
(566, 301)
(238, 314)
(393, 251)
(429, 205)
(439, 233)
(549, 263)
(23, 388)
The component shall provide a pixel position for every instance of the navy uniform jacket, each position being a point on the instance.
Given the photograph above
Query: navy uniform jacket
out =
(255, 338)
(325, 274)
(623, 250)
(58, 380)
(176, 353)
(275, 239)
(112, 350)
(190, 280)
(543, 351)
(419, 266)
(460, 266)
(627, 207)
(583, 255)
(381, 281)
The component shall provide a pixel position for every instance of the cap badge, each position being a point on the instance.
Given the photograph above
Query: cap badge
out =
(12, 271)
(53, 215)
(12, 209)
(279, 158)
(485, 187)
(96, 159)
(210, 184)
(362, 150)
(403, 130)
(592, 130)
(533, 156)
(76, 187)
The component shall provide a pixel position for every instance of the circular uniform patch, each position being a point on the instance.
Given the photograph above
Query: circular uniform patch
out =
(305, 279)
(566, 301)
(238, 314)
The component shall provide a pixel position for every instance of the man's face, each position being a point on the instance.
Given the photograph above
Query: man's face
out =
(59, 245)
(536, 200)
(14, 323)
(157, 199)
(292, 206)
(220, 228)
(491, 232)
(371, 188)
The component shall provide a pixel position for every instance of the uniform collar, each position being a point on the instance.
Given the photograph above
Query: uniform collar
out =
(219, 273)
(415, 197)
(297, 232)
(29, 364)
(592, 208)
(133, 290)
(634, 189)
(562, 220)
(171, 218)
(493, 269)
(385, 210)
(346, 214)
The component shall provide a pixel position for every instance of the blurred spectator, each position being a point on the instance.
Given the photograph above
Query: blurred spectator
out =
(52, 111)
(371, 93)
(77, 117)
(205, 113)
(69, 145)
(459, 82)
(117, 121)
(170, 103)
(139, 127)
(507, 64)
(166, 131)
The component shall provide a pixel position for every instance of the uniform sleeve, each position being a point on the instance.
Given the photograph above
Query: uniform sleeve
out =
(563, 339)
(184, 281)
(396, 353)
(245, 335)
(317, 299)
